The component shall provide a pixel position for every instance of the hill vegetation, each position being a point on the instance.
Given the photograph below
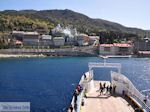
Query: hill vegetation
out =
(45, 20)
(20, 22)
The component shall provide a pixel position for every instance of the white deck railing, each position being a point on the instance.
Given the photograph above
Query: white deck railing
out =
(105, 65)
(131, 90)
(116, 78)
(79, 98)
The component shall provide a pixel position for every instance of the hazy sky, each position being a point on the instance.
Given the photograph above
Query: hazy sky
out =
(132, 13)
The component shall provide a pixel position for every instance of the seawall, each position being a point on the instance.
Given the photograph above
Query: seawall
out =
(45, 52)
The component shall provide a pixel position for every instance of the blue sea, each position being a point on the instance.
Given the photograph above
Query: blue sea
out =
(48, 83)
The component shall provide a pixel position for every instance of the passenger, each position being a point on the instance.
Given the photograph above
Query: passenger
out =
(145, 99)
(71, 108)
(82, 103)
(101, 91)
(114, 89)
(75, 96)
(110, 89)
(123, 92)
(107, 89)
(100, 86)
(77, 92)
(85, 76)
(104, 85)
(79, 88)
(85, 95)
(75, 99)
(75, 106)
(138, 110)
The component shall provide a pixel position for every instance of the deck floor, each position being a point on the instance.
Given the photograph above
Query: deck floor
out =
(105, 102)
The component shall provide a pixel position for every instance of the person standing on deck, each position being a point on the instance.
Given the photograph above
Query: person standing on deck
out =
(100, 86)
(75, 96)
(114, 89)
(110, 89)
(107, 89)
(145, 99)
(79, 88)
(101, 91)
(85, 77)
(104, 85)
(71, 108)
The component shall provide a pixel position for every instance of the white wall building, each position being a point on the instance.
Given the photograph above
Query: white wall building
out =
(69, 33)
(115, 49)
(59, 41)
(28, 38)
(31, 38)
(46, 40)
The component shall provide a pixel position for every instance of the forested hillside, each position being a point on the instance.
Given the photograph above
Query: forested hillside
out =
(32, 20)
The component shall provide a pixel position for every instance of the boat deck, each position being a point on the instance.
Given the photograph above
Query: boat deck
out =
(104, 102)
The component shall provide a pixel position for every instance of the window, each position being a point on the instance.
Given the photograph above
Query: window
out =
(123, 49)
(107, 49)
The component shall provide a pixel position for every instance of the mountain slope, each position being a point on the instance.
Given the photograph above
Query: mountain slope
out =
(82, 22)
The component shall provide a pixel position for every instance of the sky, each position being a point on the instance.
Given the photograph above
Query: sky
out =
(131, 13)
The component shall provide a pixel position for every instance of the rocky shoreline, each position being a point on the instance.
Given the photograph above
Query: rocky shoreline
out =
(20, 55)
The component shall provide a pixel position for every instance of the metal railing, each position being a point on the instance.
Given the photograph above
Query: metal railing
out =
(131, 90)
(105, 65)
(79, 98)
(138, 97)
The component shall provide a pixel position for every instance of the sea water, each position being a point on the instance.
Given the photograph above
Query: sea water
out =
(48, 83)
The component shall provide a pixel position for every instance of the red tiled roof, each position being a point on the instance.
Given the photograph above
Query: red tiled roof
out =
(116, 45)
(25, 33)
(122, 45)
(106, 45)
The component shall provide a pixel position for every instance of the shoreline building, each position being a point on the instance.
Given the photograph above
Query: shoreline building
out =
(69, 33)
(144, 53)
(27, 38)
(115, 49)
(59, 41)
(46, 40)
(31, 38)
(142, 45)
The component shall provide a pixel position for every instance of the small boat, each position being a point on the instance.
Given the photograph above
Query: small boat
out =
(117, 95)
